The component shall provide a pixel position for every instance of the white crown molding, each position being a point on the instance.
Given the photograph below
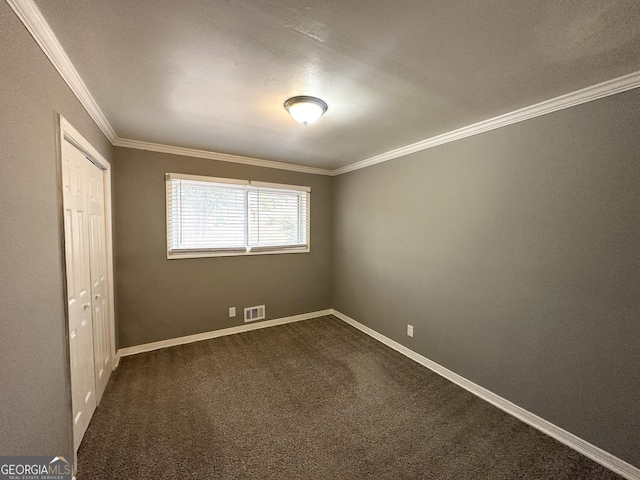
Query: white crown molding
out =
(604, 89)
(35, 23)
(223, 157)
(40, 30)
(587, 449)
(32, 18)
(198, 337)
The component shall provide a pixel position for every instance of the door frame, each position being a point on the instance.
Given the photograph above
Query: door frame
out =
(68, 133)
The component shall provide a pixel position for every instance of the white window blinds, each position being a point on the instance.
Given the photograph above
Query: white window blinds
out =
(214, 216)
(277, 217)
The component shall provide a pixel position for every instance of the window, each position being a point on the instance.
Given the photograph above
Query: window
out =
(209, 216)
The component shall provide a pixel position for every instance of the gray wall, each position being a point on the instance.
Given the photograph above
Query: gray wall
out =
(34, 392)
(160, 299)
(516, 256)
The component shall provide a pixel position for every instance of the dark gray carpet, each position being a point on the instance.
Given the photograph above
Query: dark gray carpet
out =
(309, 400)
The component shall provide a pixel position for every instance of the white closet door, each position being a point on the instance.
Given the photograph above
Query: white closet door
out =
(99, 283)
(77, 248)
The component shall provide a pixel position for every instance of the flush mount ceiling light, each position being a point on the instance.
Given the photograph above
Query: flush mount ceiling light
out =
(305, 109)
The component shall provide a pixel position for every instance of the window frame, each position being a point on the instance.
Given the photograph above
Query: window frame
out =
(239, 251)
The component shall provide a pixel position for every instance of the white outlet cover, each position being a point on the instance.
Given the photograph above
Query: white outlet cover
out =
(410, 330)
(232, 311)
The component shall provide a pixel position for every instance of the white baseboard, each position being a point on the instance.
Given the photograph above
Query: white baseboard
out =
(596, 454)
(172, 342)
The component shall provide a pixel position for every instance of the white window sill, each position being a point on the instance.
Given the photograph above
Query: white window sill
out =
(234, 253)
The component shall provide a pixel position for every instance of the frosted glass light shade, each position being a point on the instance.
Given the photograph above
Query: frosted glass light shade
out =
(305, 109)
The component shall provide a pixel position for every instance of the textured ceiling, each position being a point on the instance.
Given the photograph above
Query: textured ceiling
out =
(213, 75)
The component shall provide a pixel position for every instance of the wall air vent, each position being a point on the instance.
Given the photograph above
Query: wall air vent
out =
(254, 313)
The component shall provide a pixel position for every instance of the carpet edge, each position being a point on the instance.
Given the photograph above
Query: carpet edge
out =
(198, 337)
(606, 459)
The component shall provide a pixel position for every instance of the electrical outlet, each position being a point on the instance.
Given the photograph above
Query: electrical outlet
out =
(410, 330)
(232, 311)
